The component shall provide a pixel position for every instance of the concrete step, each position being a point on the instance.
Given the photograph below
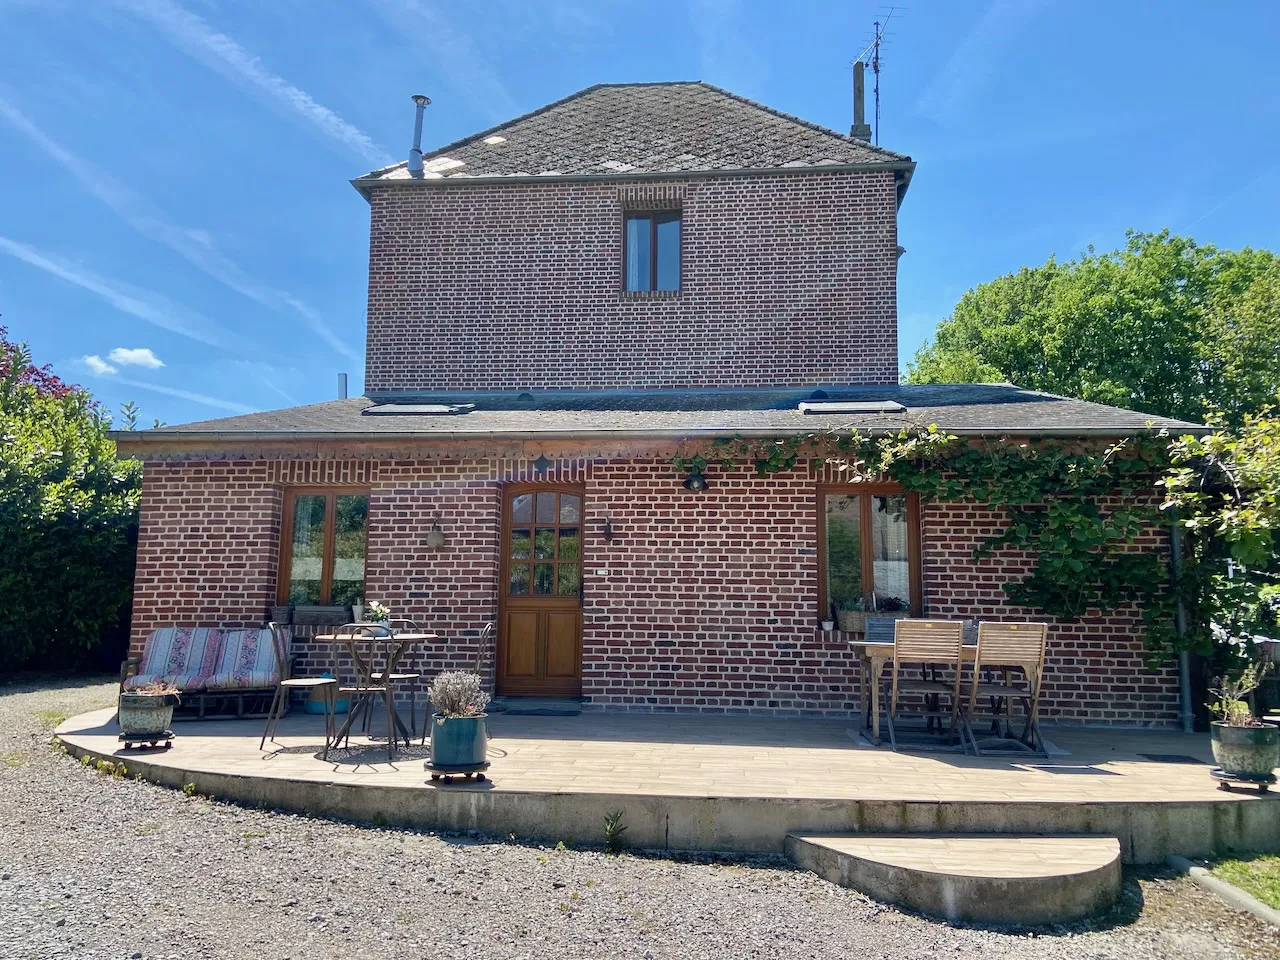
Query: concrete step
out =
(536, 706)
(1022, 880)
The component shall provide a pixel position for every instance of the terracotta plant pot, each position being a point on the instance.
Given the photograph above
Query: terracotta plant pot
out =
(146, 715)
(459, 743)
(1247, 752)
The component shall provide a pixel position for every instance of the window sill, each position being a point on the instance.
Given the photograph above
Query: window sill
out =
(650, 294)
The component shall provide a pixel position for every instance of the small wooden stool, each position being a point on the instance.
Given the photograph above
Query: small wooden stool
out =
(280, 703)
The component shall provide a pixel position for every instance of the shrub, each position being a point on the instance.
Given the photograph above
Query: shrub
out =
(458, 695)
(68, 517)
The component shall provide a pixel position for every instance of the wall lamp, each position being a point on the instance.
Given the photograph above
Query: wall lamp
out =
(607, 530)
(695, 482)
(435, 536)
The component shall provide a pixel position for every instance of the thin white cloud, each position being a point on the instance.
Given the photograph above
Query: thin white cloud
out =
(192, 244)
(271, 377)
(453, 55)
(975, 60)
(143, 304)
(135, 357)
(97, 365)
(188, 395)
(222, 53)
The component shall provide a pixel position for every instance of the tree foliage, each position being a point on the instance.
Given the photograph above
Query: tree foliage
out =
(1225, 488)
(68, 517)
(1164, 325)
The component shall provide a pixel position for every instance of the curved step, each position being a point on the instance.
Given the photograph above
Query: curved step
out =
(999, 879)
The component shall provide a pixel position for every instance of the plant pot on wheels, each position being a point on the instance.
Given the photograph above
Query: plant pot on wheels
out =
(459, 745)
(145, 718)
(1245, 754)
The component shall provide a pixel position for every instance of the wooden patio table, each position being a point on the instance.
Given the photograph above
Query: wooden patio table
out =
(872, 656)
(400, 642)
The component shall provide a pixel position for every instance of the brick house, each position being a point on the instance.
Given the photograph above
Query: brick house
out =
(556, 306)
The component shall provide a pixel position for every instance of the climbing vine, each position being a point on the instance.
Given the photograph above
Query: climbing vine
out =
(1080, 508)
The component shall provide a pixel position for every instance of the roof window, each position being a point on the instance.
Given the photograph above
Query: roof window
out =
(852, 406)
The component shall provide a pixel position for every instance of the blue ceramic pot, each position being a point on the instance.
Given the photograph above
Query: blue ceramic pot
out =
(458, 743)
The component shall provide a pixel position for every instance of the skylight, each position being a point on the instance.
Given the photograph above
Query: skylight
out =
(851, 406)
(418, 409)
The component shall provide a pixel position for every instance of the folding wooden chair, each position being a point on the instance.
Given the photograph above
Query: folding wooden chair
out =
(927, 643)
(1008, 646)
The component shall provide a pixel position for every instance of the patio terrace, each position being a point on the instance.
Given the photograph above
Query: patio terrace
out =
(720, 782)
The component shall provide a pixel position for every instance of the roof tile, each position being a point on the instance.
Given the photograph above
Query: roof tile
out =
(644, 128)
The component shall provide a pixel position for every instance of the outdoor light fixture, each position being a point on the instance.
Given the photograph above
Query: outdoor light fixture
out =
(696, 482)
(608, 529)
(435, 536)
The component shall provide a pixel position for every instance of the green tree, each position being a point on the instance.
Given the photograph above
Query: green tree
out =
(1164, 325)
(1226, 489)
(68, 517)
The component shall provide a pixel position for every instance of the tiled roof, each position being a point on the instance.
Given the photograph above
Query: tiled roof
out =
(982, 409)
(643, 128)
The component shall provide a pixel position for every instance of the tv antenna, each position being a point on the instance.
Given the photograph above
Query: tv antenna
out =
(878, 40)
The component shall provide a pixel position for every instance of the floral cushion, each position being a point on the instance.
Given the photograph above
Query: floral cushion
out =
(183, 656)
(248, 661)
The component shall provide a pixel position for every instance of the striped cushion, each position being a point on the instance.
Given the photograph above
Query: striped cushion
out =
(183, 656)
(248, 661)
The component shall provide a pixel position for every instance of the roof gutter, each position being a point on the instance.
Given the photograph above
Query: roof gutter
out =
(143, 438)
(903, 170)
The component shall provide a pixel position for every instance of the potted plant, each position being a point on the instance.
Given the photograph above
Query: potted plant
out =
(459, 739)
(852, 615)
(1244, 747)
(895, 608)
(375, 612)
(145, 713)
(828, 626)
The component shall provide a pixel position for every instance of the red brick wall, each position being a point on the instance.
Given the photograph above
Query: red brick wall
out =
(786, 280)
(207, 541)
(1094, 670)
(705, 602)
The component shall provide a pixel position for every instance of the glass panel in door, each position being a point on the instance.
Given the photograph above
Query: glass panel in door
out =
(844, 551)
(349, 520)
(306, 549)
(891, 571)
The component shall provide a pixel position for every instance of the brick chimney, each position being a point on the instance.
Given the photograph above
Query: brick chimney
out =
(860, 129)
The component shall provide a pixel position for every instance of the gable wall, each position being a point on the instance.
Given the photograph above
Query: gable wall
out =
(787, 280)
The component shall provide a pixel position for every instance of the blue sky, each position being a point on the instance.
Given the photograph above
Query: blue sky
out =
(173, 195)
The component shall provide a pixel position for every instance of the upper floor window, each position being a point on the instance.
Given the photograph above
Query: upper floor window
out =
(652, 249)
(323, 549)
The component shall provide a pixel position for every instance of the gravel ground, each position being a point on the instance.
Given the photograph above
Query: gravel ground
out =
(95, 867)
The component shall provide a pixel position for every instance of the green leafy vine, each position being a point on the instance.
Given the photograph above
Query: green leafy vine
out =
(1083, 510)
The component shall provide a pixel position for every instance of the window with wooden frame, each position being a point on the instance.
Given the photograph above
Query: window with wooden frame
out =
(868, 550)
(651, 251)
(322, 553)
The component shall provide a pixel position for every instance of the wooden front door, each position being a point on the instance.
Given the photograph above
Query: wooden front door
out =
(540, 615)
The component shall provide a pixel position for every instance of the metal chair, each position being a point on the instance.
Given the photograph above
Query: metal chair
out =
(286, 683)
(364, 689)
(927, 643)
(409, 679)
(1009, 646)
(484, 647)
